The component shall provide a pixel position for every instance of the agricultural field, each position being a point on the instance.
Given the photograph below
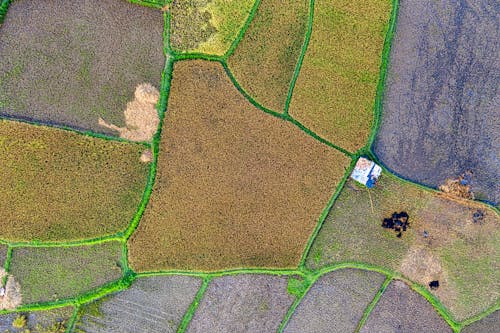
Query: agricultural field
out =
(443, 241)
(334, 94)
(402, 310)
(440, 115)
(485, 325)
(250, 173)
(70, 63)
(151, 304)
(207, 26)
(56, 273)
(265, 59)
(84, 188)
(244, 303)
(335, 302)
(249, 166)
(49, 321)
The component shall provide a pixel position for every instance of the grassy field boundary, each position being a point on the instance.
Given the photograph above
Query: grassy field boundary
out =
(72, 320)
(85, 133)
(6, 265)
(162, 109)
(386, 52)
(283, 116)
(242, 32)
(4, 7)
(84, 242)
(291, 310)
(301, 57)
(372, 304)
(188, 316)
(325, 212)
(156, 4)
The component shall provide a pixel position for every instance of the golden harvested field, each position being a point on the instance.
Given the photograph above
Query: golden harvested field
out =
(59, 185)
(235, 187)
(458, 252)
(264, 61)
(335, 91)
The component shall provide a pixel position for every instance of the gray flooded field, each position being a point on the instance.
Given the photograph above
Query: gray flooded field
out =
(400, 309)
(243, 303)
(152, 304)
(441, 105)
(336, 302)
(71, 62)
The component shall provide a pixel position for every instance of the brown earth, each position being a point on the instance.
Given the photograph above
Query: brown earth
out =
(12, 297)
(141, 117)
(235, 187)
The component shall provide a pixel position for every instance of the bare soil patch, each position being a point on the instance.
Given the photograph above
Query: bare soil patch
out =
(235, 187)
(141, 116)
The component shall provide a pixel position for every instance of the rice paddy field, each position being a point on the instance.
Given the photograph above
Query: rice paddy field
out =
(205, 166)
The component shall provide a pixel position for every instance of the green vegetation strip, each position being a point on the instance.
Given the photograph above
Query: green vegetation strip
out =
(73, 130)
(72, 320)
(4, 6)
(192, 308)
(6, 266)
(325, 212)
(386, 51)
(301, 57)
(243, 31)
(372, 304)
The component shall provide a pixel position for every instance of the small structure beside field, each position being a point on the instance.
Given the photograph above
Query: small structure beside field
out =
(366, 172)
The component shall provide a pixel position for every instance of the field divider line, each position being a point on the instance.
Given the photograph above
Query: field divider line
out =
(4, 7)
(373, 303)
(84, 242)
(282, 116)
(188, 316)
(325, 213)
(6, 266)
(150, 4)
(302, 55)
(230, 272)
(310, 280)
(243, 30)
(386, 52)
(82, 132)
(72, 320)
(162, 109)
